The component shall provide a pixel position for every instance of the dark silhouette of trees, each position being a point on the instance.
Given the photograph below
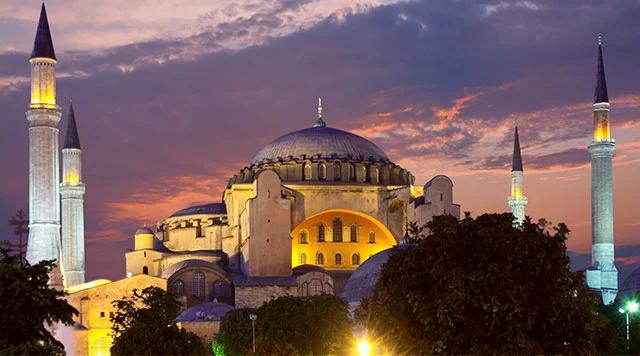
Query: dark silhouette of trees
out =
(20, 224)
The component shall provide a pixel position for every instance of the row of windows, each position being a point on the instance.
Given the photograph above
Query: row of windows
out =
(337, 233)
(218, 289)
(372, 174)
(337, 259)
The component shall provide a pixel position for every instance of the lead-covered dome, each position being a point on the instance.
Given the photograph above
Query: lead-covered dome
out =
(320, 142)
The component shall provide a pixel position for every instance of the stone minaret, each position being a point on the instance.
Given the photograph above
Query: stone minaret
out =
(72, 193)
(602, 276)
(43, 116)
(517, 201)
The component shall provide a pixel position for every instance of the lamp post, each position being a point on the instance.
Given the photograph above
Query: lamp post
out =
(631, 307)
(254, 317)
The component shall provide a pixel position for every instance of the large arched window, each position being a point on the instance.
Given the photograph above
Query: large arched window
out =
(320, 233)
(352, 172)
(355, 259)
(177, 287)
(322, 171)
(372, 237)
(319, 258)
(353, 233)
(303, 258)
(304, 239)
(337, 230)
(338, 259)
(145, 270)
(306, 172)
(337, 171)
(198, 284)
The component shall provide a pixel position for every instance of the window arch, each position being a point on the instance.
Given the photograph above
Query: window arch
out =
(337, 230)
(321, 233)
(198, 284)
(177, 287)
(363, 173)
(353, 232)
(352, 172)
(306, 171)
(337, 171)
(372, 237)
(304, 237)
(374, 172)
(319, 258)
(338, 259)
(322, 171)
(145, 270)
(303, 258)
(355, 259)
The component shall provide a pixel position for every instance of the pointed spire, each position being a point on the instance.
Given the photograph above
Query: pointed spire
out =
(319, 121)
(600, 96)
(516, 165)
(43, 45)
(71, 139)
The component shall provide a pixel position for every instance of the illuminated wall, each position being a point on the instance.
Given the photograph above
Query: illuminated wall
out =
(43, 83)
(601, 131)
(310, 247)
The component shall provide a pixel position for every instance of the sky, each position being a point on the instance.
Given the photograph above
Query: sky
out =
(174, 97)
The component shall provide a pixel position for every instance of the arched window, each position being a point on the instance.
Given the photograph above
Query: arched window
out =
(363, 173)
(145, 270)
(372, 237)
(304, 239)
(338, 259)
(352, 172)
(337, 230)
(306, 173)
(375, 175)
(355, 259)
(303, 258)
(319, 258)
(320, 233)
(177, 287)
(322, 171)
(198, 284)
(354, 233)
(337, 171)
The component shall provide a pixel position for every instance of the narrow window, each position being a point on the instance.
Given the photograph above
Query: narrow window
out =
(337, 230)
(355, 259)
(306, 174)
(177, 287)
(145, 270)
(319, 258)
(440, 196)
(320, 233)
(303, 237)
(303, 258)
(372, 237)
(198, 284)
(338, 259)
(322, 171)
(337, 171)
(102, 314)
(354, 233)
(352, 172)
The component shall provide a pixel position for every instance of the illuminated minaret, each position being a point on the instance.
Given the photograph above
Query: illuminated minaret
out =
(43, 116)
(517, 201)
(602, 276)
(72, 194)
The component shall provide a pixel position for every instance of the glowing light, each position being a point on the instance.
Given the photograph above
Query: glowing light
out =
(633, 307)
(364, 348)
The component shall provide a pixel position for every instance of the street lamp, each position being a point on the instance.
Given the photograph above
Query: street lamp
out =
(364, 348)
(254, 317)
(631, 307)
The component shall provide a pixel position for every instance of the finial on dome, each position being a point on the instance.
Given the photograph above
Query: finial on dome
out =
(319, 122)
(599, 39)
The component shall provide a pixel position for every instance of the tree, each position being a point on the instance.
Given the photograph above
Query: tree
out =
(235, 332)
(28, 305)
(482, 286)
(20, 223)
(144, 324)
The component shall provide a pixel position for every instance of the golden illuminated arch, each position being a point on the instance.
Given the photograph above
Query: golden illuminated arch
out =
(365, 225)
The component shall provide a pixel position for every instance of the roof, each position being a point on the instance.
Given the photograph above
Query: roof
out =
(362, 282)
(71, 139)
(144, 230)
(245, 281)
(211, 311)
(43, 44)
(516, 165)
(600, 95)
(206, 209)
(327, 142)
(167, 273)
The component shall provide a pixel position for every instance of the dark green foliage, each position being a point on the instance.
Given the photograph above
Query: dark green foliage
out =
(613, 337)
(28, 303)
(481, 286)
(290, 325)
(144, 324)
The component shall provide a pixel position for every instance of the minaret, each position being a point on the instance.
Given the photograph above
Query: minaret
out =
(602, 276)
(43, 116)
(72, 194)
(517, 201)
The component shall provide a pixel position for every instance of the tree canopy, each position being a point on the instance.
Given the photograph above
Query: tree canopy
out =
(482, 286)
(144, 324)
(29, 305)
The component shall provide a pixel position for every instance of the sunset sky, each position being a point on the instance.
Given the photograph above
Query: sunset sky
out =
(173, 97)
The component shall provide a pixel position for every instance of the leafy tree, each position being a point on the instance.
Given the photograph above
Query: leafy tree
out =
(20, 223)
(235, 332)
(144, 324)
(482, 286)
(28, 305)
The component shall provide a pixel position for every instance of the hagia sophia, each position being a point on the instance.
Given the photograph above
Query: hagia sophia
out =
(317, 210)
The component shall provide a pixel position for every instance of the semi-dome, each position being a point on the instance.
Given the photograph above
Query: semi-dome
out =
(320, 141)
(144, 230)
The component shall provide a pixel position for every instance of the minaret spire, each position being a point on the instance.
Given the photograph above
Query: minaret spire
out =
(71, 139)
(602, 276)
(517, 200)
(319, 121)
(43, 44)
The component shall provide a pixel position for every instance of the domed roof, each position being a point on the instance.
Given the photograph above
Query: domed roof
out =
(144, 230)
(205, 311)
(206, 209)
(326, 142)
(363, 280)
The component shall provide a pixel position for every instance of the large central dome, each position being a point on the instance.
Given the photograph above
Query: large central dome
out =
(321, 142)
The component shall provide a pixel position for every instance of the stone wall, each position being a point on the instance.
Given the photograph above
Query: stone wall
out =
(255, 296)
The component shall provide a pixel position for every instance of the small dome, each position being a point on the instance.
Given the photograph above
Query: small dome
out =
(144, 230)
(211, 311)
(206, 209)
(320, 140)
(361, 283)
